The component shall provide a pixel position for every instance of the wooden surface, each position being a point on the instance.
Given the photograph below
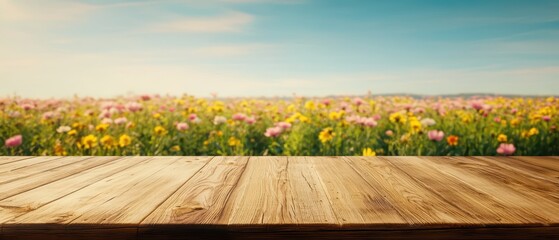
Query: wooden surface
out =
(278, 197)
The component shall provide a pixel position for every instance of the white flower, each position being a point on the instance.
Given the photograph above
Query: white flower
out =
(219, 120)
(107, 121)
(428, 122)
(63, 129)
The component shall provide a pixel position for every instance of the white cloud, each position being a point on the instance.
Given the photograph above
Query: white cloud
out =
(232, 50)
(231, 22)
(40, 11)
(264, 1)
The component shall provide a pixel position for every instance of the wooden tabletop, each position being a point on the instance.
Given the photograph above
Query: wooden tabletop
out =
(267, 197)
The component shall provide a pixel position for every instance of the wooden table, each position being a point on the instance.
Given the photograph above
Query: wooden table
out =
(278, 197)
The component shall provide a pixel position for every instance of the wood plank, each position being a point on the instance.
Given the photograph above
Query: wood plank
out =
(202, 199)
(415, 203)
(279, 191)
(508, 171)
(136, 203)
(355, 203)
(25, 163)
(29, 182)
(488, 209)
(548, 165)
(523, 199)
(445, 233)
(10, 159)
(10, 175)
(24, 202)
(64, 210)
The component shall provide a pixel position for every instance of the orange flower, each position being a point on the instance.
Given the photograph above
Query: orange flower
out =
(452, 140)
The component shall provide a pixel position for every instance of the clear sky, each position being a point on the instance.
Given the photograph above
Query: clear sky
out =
(278, 47)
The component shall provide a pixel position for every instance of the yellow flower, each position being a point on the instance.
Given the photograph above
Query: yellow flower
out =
(336, 115)
(514, 122)
(415, 125)
(124, 140)
(59, 150)
(102, 127)
(326, 135)
(157, 115)
(533, 131)
(219, 133)
(397, 117)
(310, 105)
(304, 119)
(466, 118)
(176, 148)
(368, 152)
(291, 108)
(72, 132)
(89, 141)
(78, 125)
(502, 138)
(159, 130)
(234, 142)
(107, 141)
(207, 142)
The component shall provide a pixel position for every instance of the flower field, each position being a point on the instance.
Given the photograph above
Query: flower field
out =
(165, 125)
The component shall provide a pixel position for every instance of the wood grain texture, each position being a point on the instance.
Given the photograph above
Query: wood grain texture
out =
(27, 201)
(275, 191)
(489, 179)
(201, 200)
(22, 182)
(279, 197)
(72, 206)
(354, 201)
(415, 203)
(6, 160)
(488, 207)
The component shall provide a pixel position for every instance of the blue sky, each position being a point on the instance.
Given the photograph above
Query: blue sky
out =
(277, 47)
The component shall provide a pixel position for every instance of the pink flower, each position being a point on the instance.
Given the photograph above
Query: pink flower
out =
(273, 132)
(514, 111)
(377, 117)
(352, 118)
(369, 122)
(435, 135)
(477, 105)
(506, 149)
(358, 101)
(326, 102)
(27, 106)
(419, 110)
(283, 125)
(497, 119)
(121, 120)
(182, 126)
(546, 118)
(250, 120)
(48, 115)
(389, 133)
(14, 141)
(133, 106)
(105, 114)
(145, 97)
(239, 117)
(192, 117)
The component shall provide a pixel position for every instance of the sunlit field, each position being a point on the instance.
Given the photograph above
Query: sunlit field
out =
(164, 125)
